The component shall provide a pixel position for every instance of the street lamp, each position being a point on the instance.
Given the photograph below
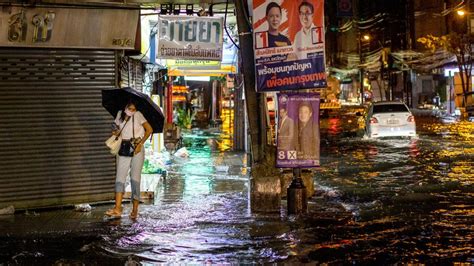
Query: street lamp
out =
(460, 25)
(461, 13)
(461, 21)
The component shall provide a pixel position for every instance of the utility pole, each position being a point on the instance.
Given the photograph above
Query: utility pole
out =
(468, 20)
(361, 69)
(265, 185)
(254, 109)
(410, 18)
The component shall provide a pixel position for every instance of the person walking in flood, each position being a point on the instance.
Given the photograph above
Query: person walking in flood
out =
(135, 130)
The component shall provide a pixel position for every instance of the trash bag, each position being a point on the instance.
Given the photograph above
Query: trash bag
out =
(154, 165)
(82, 208)
(8, 210)
(183, 153)
(222, 168)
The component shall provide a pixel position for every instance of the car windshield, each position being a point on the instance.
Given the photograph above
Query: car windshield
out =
(390, 108)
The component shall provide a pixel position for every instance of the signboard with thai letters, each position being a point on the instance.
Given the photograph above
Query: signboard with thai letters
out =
(68, 28)
(193, 64)
(187, 37)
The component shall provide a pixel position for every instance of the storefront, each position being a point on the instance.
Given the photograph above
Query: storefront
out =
(205, 92)
(54, 64)
(201, 67)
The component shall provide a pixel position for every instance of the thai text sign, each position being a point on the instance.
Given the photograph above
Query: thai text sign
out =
(289, 44)
(298, 130)
(189, 37)
(68, 27)
(193, 64)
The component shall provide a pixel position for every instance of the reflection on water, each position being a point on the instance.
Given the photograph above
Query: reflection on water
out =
(394, 201)
(390, 201)
(387, 201)
(410, 198)
(227, 128)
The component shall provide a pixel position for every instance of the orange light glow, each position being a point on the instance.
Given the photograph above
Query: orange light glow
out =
(461, 13)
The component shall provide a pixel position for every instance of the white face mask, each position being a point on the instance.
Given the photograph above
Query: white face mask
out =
(129, 113)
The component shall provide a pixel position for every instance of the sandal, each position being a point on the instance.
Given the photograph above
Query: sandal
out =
(113, 213)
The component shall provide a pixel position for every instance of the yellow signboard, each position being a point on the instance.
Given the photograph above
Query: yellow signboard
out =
(195, 64)
(224, 70)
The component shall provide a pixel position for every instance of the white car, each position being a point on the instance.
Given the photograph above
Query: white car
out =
(389, 119)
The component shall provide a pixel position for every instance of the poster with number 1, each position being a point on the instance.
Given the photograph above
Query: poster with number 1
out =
(289, 44)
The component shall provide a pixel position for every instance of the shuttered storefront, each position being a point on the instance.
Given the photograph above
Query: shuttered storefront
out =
(53, 127)
(132, 73)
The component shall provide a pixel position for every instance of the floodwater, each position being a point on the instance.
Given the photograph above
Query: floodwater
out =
(377, 201)
(385, 201)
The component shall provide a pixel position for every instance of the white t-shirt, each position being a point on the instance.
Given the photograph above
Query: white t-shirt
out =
(302, 40)
(138, 120)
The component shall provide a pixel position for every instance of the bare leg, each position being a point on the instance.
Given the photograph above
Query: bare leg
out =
(117, 210)
(118, 201)
(134, 213)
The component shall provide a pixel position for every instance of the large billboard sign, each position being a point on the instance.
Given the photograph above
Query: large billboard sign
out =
(298, 130)
(289, 44)
(188, 37)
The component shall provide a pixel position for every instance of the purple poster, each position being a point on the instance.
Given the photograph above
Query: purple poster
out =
(298, 130)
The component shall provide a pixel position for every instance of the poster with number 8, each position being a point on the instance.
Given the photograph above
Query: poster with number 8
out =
(298, 130)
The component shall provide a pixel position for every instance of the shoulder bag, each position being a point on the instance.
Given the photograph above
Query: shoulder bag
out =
(126, 147)
(115, 141)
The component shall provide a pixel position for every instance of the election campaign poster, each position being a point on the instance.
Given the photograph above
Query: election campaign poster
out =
(289, 44)
(298, 130)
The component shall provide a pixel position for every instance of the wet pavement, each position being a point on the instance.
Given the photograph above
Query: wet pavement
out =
(377, 202)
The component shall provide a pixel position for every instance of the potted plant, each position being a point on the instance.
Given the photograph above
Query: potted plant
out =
(185, 118)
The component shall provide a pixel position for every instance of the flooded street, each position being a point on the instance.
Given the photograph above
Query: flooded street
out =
(412, 200)
(386, 201)
(377, 201)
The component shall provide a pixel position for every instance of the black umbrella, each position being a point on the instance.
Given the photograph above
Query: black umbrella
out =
(116, 99)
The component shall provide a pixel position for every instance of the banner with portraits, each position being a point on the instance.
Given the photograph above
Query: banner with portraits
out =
(298, 130)
(289, 44)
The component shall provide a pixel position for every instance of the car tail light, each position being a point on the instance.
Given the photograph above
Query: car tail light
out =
(374, 120)
(411, 119)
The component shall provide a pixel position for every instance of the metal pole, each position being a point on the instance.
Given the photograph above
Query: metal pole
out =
(468, 20)
(169, 101)
(361, 70)
(405, 86)
(450, 96)
(296, 194)
(248, 71)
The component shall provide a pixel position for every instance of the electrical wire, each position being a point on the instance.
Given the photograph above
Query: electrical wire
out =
(225, 24)
(148, 49)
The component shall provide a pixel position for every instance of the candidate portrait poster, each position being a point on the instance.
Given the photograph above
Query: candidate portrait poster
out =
(298, 130)
(289, 44)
